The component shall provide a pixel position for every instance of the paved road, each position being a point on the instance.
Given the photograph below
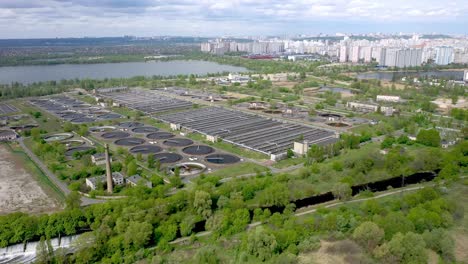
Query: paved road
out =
(63, 187)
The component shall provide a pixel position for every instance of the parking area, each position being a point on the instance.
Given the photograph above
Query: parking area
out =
(258, 133)
(74, 110)
(7, 109)
(147, 101)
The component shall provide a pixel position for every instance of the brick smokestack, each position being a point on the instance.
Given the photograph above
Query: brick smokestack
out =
(110, 184)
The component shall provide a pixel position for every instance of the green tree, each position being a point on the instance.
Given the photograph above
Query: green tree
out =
(368, 235)
(202, 204)
(73, 200)
(407, 248)
(261, 244)
(429, 137)
(137, 234)
(132, 168)
(342, 191)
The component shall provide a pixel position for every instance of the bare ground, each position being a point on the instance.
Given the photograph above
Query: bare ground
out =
(19, 190)
(335, 252)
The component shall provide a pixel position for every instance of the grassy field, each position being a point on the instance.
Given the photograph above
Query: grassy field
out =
(236, 170)
(229, 147)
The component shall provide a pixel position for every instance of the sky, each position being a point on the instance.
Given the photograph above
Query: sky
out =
(94, 18)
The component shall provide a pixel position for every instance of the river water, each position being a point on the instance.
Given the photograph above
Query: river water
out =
(40, 73)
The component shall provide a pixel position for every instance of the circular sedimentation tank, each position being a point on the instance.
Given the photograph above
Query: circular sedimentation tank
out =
(338, 124)
(129, 141)
(188, 168)
(275, 111)
(160, 135)
(198, 150)
(102, 129)
(144, 130)
(167, 157)
(83, 120)
(109, 116)
(115, 134)
(146, 149)
(222, 159)
(71, 116)
(131, 124)
(73, 143)
(178, 142)
(72, 151)
(58, 137)
(330, 115)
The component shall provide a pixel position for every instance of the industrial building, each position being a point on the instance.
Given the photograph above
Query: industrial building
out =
(362, 107)
(8, 135)
(134, 180)
(388, 98)
(257, 133)
(93, 182)
(149, 102)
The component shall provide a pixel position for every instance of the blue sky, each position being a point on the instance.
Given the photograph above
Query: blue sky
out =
(77, 18)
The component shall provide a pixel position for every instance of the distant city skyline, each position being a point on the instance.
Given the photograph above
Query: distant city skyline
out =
(79, 18)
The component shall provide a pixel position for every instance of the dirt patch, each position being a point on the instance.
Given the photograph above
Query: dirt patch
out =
(19, 190)
(461, 246)
(285, 84)
(336, 252)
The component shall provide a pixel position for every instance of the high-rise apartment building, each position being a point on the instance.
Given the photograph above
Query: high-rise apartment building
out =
(444, 55)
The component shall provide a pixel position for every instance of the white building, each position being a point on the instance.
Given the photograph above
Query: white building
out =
(362, 107)
(343, 54)
(388, 98)
(93, 182)
(444, 55)
(355, 52)
(134, 180)
(8, 135)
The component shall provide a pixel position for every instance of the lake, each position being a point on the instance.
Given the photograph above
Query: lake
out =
(388, 76)
(40, 73)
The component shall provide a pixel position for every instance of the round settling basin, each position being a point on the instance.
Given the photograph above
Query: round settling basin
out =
(83, 120)
(330, 115)
(198, 150)
(102, 129)
(129, 141)
(144, 130)
(58, 137)
(222, 159)
(72, 116)
(73, 143)
(178, 142)
(188, 168)
(131, 124)
(72, 151)
(273, 111)
(115, 134)
(338, 124)
(146, 149)
(160, 135)
(109, 116)
(167, 157)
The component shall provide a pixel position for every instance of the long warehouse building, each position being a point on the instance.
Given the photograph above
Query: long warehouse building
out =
(258, 133)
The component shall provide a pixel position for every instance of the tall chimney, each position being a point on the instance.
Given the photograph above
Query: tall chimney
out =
(110, 184)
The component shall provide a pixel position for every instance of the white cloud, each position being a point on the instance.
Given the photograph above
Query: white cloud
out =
(213, 17)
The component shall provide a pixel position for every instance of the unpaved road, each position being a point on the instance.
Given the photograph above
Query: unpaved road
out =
(19, 190)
